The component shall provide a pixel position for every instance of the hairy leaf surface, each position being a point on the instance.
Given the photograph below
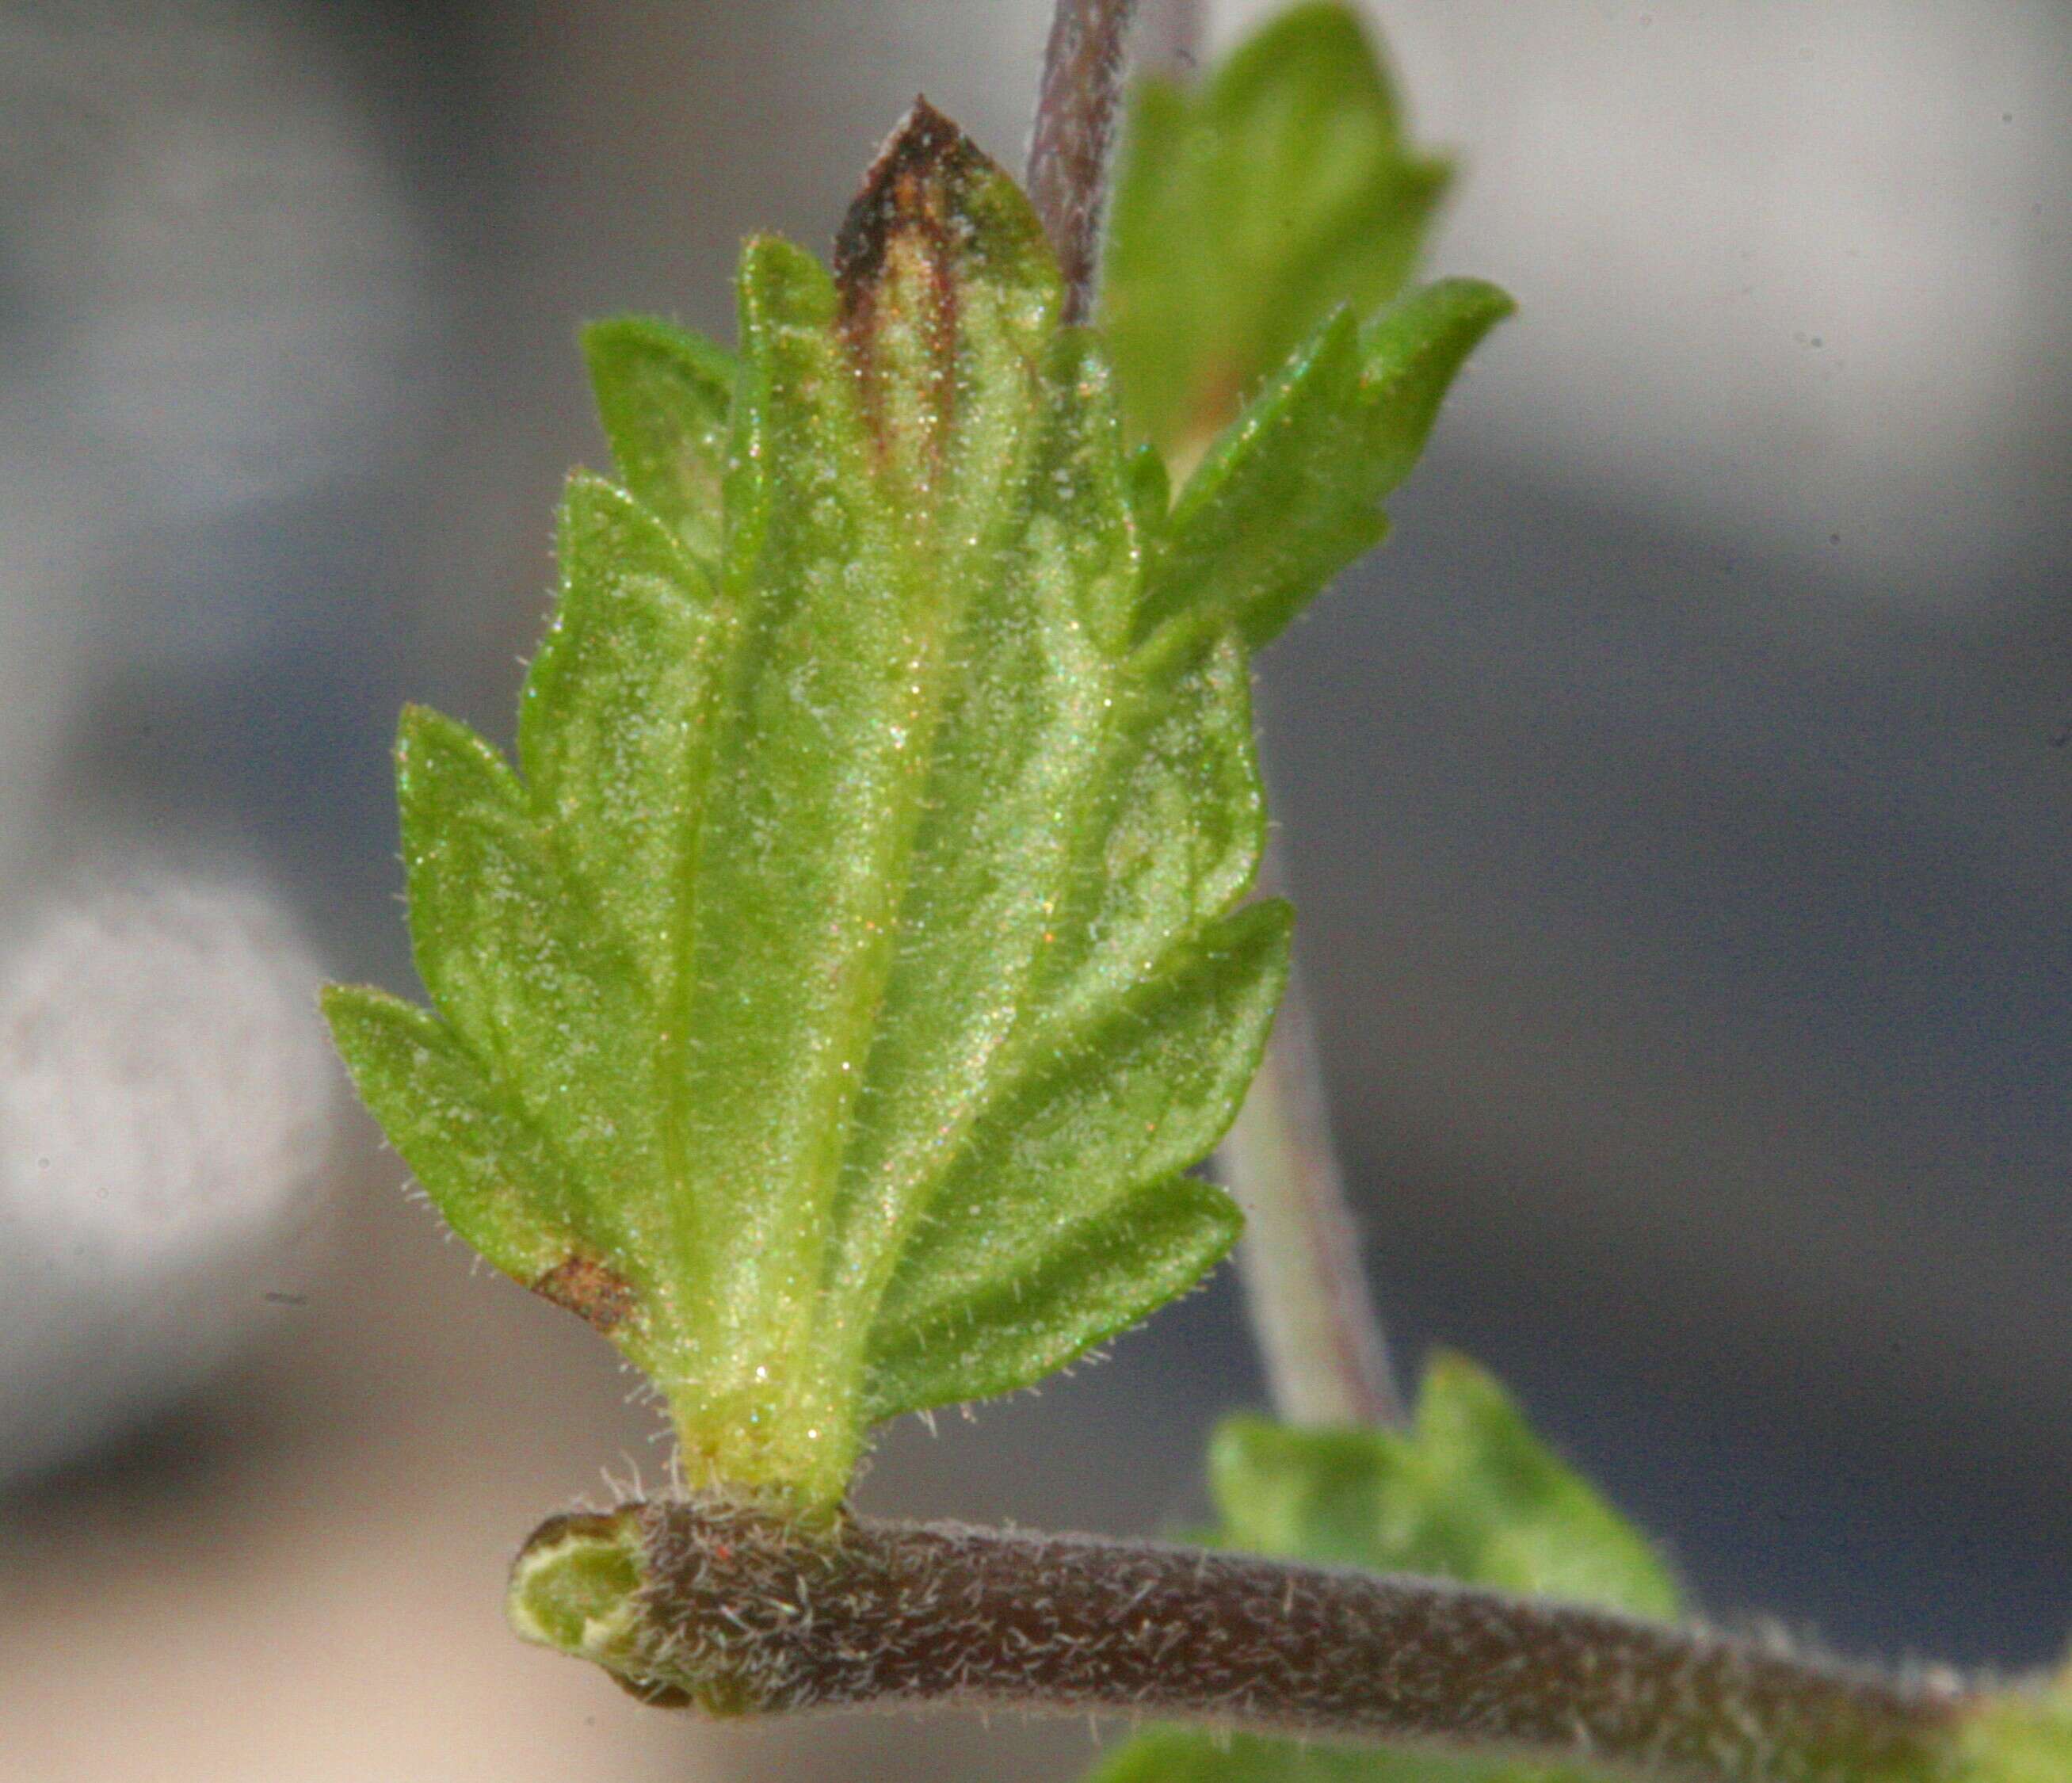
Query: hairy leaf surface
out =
(665, 397)
(829, 1001)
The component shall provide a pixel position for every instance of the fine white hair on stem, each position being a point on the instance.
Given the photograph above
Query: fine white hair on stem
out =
(167, 1101)
(716, 1604)
(1074, 127)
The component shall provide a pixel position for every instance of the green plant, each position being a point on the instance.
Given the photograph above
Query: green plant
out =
(830, 1004)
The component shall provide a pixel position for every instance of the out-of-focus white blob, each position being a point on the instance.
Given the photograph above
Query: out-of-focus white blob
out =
(167, 1099)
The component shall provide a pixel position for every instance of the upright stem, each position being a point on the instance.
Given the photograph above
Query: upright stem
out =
(1068, 148)
(1319, 1334)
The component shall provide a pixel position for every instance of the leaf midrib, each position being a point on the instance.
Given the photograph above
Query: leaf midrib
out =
(848, 1315)
(1014, 1059)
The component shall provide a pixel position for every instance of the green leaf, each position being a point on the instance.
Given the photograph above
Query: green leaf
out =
(1291, 492)
(991, 1331)
(1172, 1754)
(830, 1001)
(1244, 214)
(666, 397)
(1468, 1492)
(549, 999)
(1259, 239)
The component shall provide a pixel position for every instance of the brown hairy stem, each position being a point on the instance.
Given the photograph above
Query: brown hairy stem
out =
(739, 1612)
(1074, 127)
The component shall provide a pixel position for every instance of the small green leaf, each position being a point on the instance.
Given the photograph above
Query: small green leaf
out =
(548, 998)
(1172, 1754)
(613, 725)
(666, 397)
(1260, 237)
(828, 1004)
(1244, 215)
(1291, 492)
(1410, 354)
(1467, 1492)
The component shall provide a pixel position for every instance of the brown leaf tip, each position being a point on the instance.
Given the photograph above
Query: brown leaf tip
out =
(915, 183)
(597, 1295)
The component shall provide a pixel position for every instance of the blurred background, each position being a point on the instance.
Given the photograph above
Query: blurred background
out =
(1677, 809)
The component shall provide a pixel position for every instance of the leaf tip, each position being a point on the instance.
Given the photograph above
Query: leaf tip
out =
(601, 338)
(915, 183)
(415, 725)
(343, 1009)
(426, 743)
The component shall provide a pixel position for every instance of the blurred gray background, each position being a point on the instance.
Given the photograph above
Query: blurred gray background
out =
(1677, 808)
